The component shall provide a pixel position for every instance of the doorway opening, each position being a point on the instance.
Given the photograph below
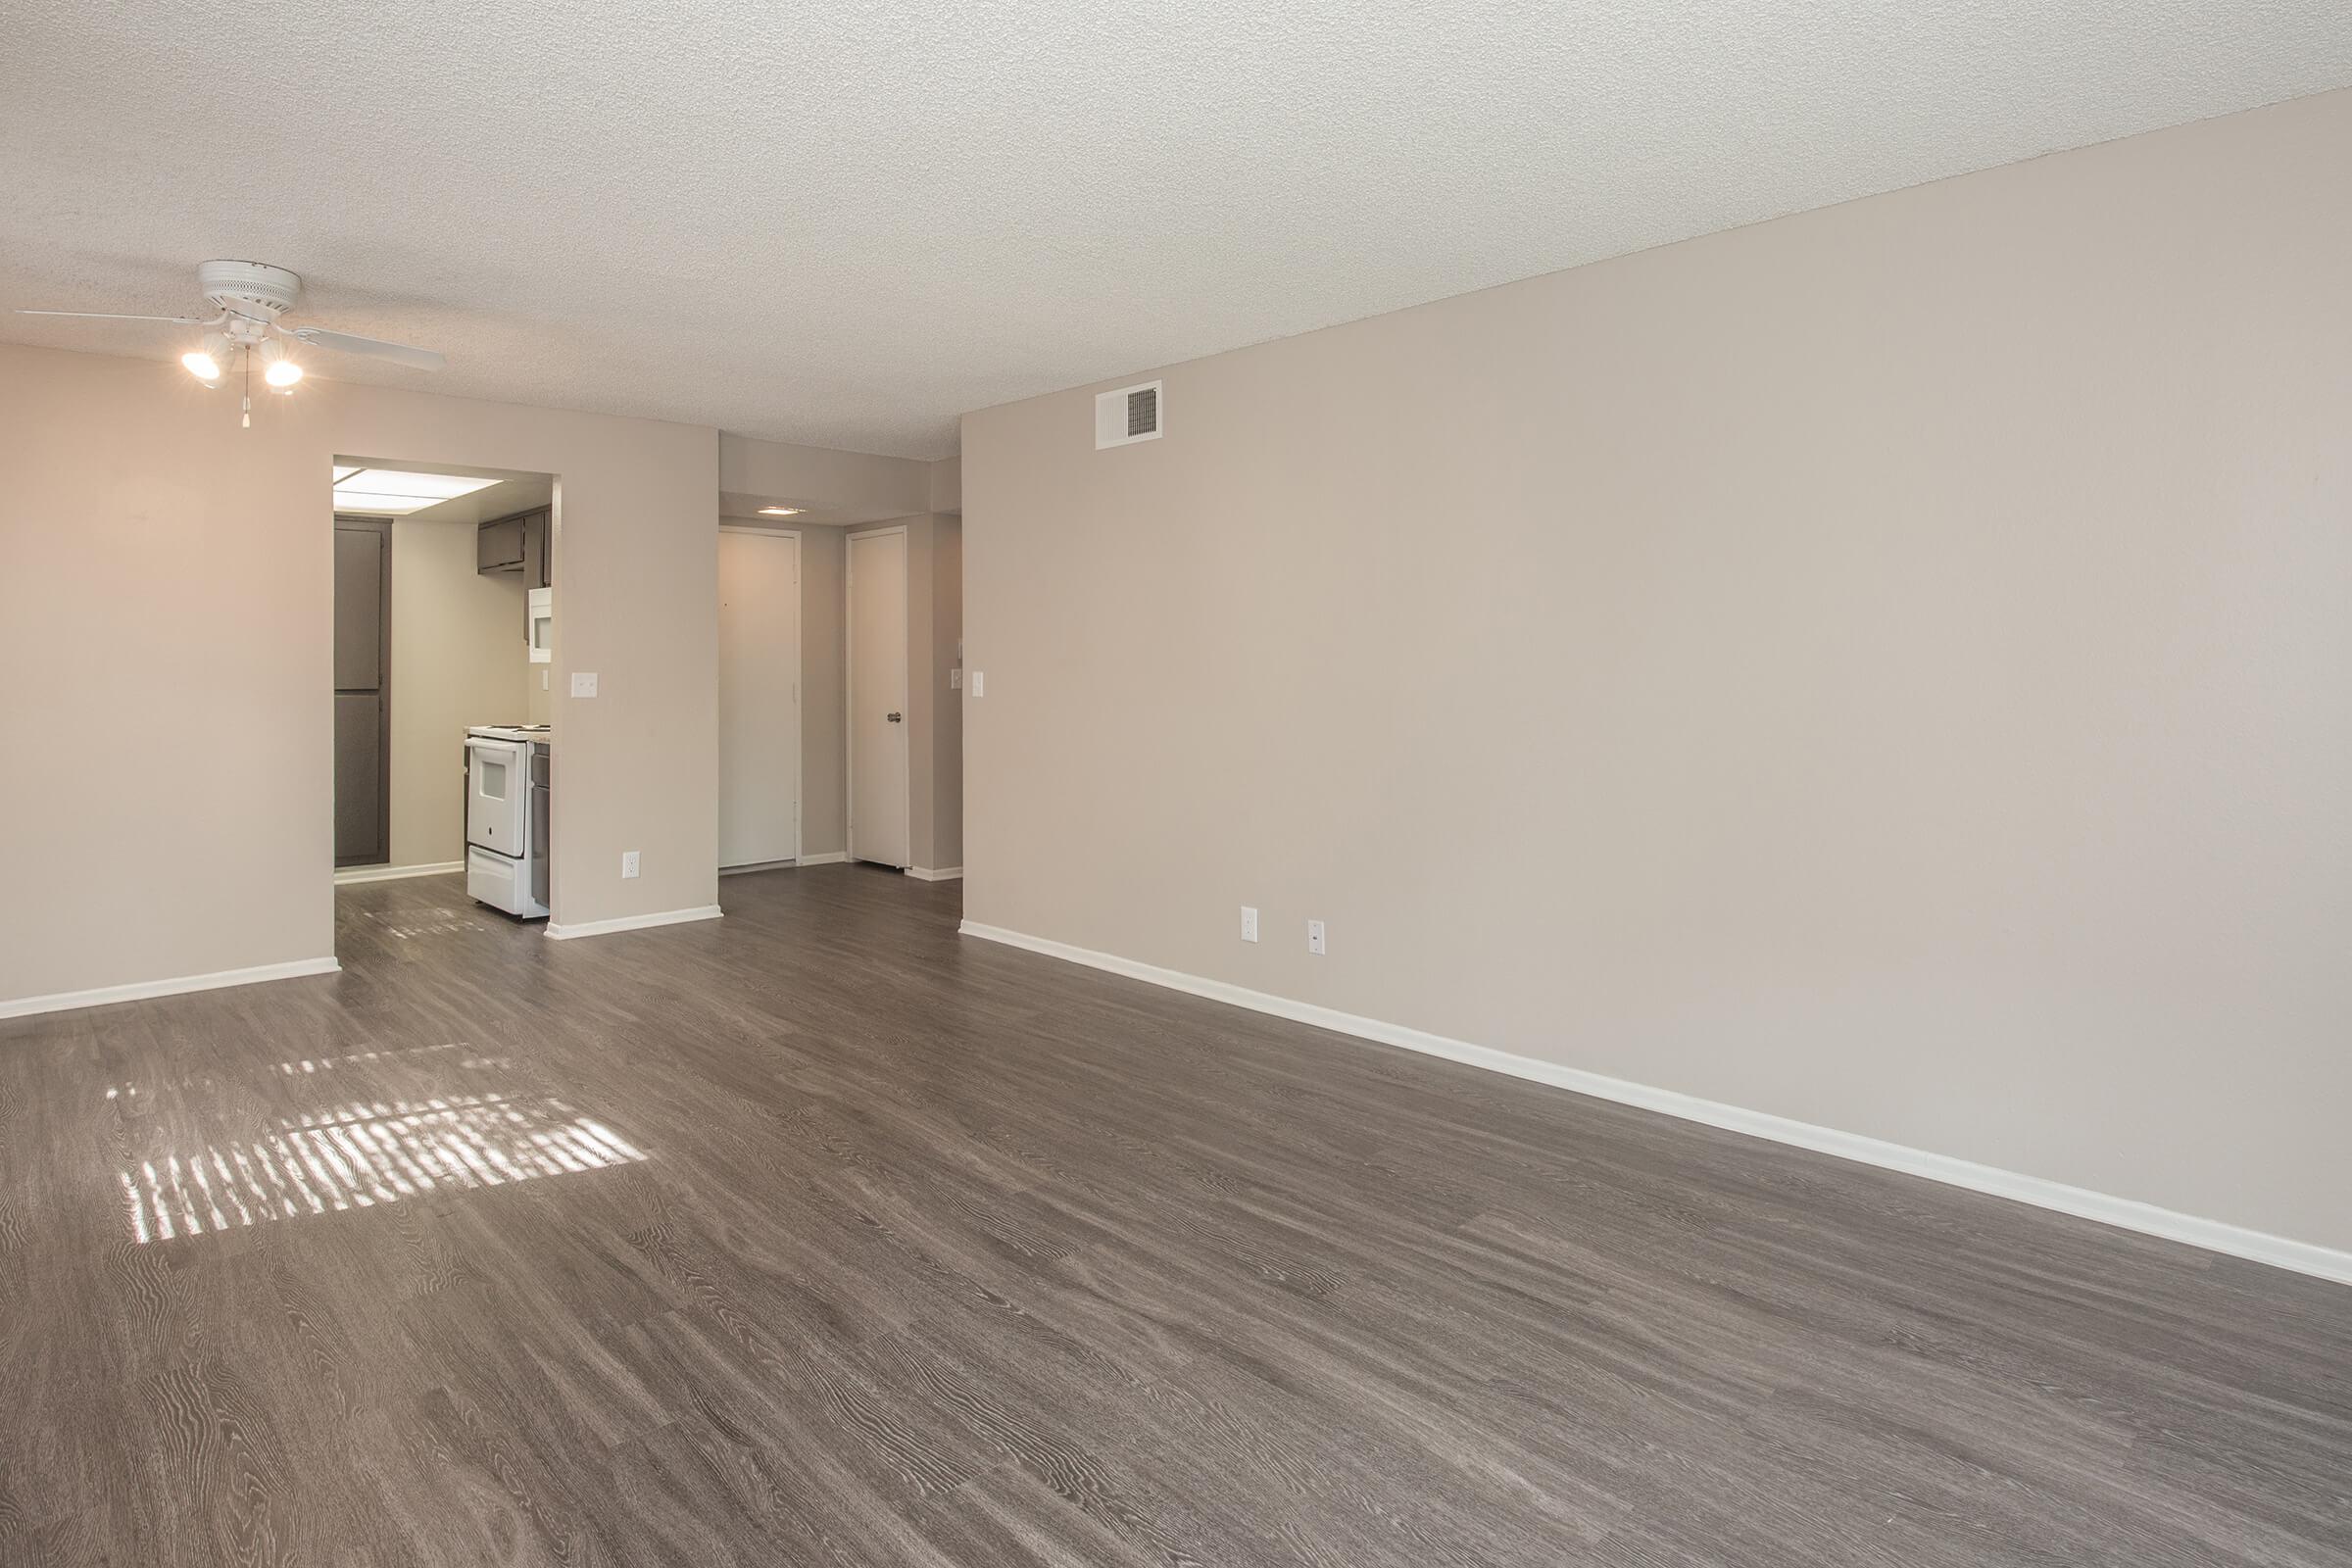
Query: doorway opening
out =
(444, 645)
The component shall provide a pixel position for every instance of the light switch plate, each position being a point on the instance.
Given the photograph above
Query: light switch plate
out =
(1314, 936)
(979, 684)
(954, 680)
(583, 683)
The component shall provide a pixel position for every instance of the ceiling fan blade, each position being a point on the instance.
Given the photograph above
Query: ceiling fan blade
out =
(118, 315)
(374, 348)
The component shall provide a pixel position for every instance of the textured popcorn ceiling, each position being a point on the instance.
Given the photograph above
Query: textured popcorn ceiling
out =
(848, 223)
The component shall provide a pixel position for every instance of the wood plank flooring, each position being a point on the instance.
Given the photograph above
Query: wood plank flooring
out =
(820, 1235)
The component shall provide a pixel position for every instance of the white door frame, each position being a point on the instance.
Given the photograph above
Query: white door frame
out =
(799, 706)
(848, 686)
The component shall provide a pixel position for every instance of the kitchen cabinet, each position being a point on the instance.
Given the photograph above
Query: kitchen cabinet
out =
(498, 545)
(535, 564)
(518, 543)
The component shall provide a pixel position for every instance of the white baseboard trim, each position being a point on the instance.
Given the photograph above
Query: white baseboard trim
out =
(631, 922)
(394, 873)
(945, 873)
(833, 858)
(2303, 1257)
(141, 990)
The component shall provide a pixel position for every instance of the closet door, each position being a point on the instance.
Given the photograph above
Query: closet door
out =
(879, 829)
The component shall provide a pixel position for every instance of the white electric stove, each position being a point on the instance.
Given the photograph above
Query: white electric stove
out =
(507, 768)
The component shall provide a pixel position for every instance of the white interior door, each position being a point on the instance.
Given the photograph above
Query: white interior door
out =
(759, 697)
(877, 595)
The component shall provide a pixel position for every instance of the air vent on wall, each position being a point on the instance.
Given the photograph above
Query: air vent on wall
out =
(1131, 414)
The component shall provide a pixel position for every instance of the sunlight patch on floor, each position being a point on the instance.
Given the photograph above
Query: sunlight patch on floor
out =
(363, 1155)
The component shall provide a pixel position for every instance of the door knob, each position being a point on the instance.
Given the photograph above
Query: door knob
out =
(892, 718)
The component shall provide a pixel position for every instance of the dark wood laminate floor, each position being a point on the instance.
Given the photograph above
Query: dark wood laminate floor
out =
(820, 1235)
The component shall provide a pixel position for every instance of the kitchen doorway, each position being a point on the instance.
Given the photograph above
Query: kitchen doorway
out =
(444, 626)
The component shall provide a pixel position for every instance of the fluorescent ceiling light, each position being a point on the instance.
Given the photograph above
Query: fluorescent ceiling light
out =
(343, 471)
(779, 511)
(383, 505)
(391, 493)
(439, 486)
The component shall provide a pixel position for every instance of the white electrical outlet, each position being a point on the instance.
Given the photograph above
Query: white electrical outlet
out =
(1248, 923)
(979, 684)
(1314, 936)
(955, 680)
(583, 683)
(628, 866)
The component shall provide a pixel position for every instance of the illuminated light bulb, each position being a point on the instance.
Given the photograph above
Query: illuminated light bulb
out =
(278, 367)
(206, 360)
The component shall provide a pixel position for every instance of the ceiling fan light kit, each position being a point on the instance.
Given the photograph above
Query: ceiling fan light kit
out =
(277, 365)
(248, 298)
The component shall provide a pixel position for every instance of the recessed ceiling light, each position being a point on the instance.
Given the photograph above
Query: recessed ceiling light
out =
(779, 511)
(389, 493)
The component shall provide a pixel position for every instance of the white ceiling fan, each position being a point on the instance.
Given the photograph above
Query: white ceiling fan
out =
(248, 298)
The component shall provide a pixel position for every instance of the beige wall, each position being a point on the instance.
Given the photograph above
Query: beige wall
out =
(186, 564)
(1889, 667)
(946, 485)
(823, 478)
(459, 659)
